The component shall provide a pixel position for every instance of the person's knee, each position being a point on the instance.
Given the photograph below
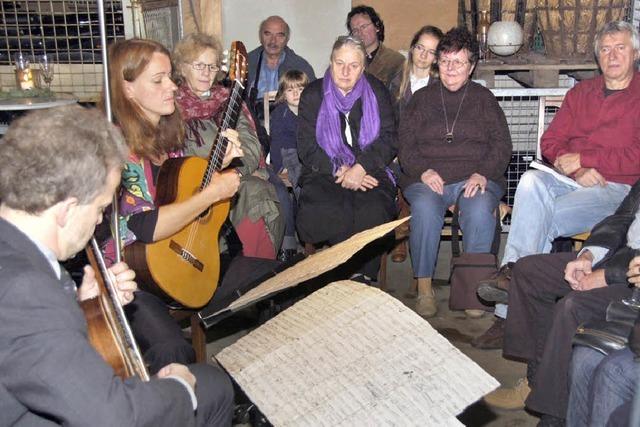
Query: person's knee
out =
(531, 180)
(162, 353)
(214, 392)
(584, 362)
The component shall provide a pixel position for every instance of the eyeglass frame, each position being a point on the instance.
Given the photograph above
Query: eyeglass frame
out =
(419, 48)
(200, 66)
(360, 29)
(456, 64)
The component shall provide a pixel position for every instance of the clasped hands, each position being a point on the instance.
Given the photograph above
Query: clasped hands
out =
(472, 185)
(355, 178)
(580, 276)
(569, 164)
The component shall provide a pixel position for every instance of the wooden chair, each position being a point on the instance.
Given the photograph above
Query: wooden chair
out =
(198, 334)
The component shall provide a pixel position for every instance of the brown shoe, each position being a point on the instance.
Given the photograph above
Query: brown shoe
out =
(509, 398)
(426, 305)
(496, 288)
(492, 338)
(399, 252)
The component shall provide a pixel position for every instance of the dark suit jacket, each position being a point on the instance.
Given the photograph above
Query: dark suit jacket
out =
(49, 373)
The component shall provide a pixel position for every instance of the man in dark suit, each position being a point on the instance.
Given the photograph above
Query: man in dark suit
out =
(58, 172)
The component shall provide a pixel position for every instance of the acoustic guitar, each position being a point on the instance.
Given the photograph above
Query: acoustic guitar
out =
(186, 266)
(108, 328)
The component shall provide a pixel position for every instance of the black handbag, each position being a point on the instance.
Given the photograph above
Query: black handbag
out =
(607, 336)
(468, 269)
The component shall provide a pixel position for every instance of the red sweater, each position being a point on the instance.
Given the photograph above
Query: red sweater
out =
(605, 131)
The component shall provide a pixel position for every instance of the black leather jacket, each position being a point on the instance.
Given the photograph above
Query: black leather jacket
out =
(611, 233)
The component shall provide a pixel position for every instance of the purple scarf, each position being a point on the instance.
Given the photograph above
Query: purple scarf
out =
(328, 126)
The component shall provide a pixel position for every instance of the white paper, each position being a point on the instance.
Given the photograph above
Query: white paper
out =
(537, 164)
(350, 354)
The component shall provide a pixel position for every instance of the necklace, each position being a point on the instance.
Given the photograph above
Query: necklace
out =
(448, 137)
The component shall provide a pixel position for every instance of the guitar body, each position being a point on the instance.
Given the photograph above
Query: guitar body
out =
(108, 328)
(186, 266)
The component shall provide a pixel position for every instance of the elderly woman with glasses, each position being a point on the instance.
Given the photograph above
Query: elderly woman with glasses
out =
(255, 213)
(346, 135)
(454, 146)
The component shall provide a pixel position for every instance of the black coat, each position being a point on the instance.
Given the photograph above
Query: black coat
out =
(611, 233)
(328, 212)
(378, 155)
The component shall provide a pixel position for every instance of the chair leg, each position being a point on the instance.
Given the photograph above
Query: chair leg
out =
(198, 339)
(382, 273)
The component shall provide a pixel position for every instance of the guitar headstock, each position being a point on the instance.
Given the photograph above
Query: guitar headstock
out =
(238, 62)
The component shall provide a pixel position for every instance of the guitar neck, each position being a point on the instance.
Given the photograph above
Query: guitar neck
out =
(229, 121)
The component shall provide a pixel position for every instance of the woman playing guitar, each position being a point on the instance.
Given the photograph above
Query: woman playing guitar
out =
(143, 104)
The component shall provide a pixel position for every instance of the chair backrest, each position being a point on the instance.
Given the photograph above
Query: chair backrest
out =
(544, 104)
(269, 97)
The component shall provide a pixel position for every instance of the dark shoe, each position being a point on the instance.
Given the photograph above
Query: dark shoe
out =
(287, 255)
(496, 288)
(361, 278)
(492, 338)
(399, 253)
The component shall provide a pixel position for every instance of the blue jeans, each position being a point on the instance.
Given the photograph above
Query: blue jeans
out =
(599, 385)
(545, 208)
(477, 221)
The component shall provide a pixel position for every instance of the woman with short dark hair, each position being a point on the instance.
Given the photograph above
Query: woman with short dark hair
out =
(454, 146)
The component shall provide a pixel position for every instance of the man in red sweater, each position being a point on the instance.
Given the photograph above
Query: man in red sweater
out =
(594, 138)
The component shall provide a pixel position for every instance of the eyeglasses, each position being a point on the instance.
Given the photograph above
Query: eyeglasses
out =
(199, 66)
(455, 63)
(421, 49)
(361, 28)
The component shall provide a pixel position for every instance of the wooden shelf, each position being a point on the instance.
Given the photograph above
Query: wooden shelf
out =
(534, 70)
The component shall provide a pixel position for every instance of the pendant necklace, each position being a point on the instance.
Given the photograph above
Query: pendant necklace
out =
(448, 137)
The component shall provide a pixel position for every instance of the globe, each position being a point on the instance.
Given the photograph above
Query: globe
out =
(505, 37)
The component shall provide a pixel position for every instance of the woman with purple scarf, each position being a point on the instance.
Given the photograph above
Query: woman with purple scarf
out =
(346, 140)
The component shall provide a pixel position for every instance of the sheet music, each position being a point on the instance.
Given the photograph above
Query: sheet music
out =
(350, 354)
(315, 264)
(537, 164)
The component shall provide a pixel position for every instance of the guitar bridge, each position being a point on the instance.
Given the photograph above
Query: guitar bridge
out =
(186, 255)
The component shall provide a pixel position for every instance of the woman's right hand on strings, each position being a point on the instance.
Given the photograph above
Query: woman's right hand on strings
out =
(223, 185)
(433, 180)
(234, 148)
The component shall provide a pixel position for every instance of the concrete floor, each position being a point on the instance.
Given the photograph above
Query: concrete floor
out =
(454, 326)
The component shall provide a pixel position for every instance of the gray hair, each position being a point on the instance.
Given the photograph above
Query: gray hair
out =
(48, 156)
(287, 30)
(614, 27)
(353, 41)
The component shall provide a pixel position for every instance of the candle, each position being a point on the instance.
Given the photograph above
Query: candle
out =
(24, 79)
(24, 76)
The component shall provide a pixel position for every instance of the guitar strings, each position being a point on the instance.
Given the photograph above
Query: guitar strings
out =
(217, 158)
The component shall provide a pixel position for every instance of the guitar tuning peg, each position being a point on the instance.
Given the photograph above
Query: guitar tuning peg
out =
(225, 68)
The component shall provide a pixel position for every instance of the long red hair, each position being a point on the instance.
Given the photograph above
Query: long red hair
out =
(127, 60)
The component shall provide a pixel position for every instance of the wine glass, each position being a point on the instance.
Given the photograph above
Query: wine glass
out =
(46, 70)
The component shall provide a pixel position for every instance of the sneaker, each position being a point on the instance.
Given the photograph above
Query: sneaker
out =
(426, 305)
(509, 398)
(496, 288)
(474, 314)
(492, 337)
